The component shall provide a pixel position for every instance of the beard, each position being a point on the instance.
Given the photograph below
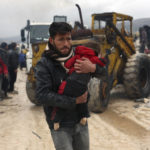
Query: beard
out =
(58, 51)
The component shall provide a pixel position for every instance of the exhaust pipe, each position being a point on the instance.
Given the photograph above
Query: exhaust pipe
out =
(80, 14)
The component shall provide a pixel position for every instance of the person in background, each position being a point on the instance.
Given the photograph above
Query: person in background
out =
(13, 62)
(3, 69)
(24, 49)
(22, 60)
(143, 39)
(4, 57)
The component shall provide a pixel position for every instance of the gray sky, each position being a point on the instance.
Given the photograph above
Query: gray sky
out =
(14, 13)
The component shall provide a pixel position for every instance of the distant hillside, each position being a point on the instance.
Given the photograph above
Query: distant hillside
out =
(11, 39)
(137, 23)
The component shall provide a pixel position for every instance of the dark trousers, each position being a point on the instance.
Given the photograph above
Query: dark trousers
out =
(12, 76)
(5, 85)
(1, 81)
(142, 48)
(75, 138)
(22, 64)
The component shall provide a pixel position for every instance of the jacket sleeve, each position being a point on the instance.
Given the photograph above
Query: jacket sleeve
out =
(100, 72)
(4, 67)
(45, 94)
(15, 60)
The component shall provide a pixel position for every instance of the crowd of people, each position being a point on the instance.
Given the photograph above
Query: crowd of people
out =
(9, 62)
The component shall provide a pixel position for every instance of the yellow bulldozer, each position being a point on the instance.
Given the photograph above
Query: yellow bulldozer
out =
(113, 32)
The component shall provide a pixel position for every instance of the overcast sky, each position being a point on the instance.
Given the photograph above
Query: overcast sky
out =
(14, 13)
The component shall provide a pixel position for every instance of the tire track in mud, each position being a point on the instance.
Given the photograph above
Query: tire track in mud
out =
(119, 127)
(118, 110)
(112, 130)
(124, 124)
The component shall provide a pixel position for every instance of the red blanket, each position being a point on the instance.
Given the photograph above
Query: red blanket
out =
(80, 52)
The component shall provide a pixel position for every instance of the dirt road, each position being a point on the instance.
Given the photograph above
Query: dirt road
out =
(124, 126)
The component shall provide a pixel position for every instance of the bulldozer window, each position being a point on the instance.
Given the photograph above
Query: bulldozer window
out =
(127, 27)
(124, 29)
(99, 24)
(39, 33)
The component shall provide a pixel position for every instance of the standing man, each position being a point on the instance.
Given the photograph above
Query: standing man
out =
(3, 72)
(4, 52)
(143, 40)
(50, 73)
(22, 60)
(13, 62)
(4, 68)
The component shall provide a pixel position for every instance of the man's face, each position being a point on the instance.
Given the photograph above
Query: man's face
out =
(62, 42)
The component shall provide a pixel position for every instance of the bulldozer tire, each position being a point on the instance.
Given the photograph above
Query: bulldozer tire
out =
(137, 76)
(30, 90)
(99, 95)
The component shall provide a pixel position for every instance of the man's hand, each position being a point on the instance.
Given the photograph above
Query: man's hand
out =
(6, 75)
(84, 66)
(82, 99)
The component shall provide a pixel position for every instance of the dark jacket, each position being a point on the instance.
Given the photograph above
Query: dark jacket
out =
(3, 61)
(22, 57)
(13, 59)
(3, 67)
(49, 74)
(4, 56)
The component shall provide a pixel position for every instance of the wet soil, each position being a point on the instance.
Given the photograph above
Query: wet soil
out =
(125, 125)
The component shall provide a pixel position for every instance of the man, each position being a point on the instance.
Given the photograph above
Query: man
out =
(3, 52)
(13, 62)
(4, 69)
(50, 72)
(22, 60)
(143, 39)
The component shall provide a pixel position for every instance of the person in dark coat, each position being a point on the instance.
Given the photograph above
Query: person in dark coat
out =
(4, 57)
(143, 39)
(13, 62)
(49, 74)
(22, 60)
(4, 52)
(3, 72)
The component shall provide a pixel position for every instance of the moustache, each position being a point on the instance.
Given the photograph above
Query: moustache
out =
(65, 47)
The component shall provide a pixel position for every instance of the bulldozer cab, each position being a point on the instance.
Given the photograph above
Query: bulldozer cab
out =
(122, 22)
(116, 30)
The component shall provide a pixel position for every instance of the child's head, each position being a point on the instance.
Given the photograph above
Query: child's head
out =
(93, 45)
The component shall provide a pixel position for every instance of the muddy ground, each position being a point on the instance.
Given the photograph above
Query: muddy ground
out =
(124, 126)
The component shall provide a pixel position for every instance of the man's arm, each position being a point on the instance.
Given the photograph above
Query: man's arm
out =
(45, 93)
(4, 68)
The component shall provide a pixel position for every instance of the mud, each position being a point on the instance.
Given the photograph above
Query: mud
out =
(124, 126)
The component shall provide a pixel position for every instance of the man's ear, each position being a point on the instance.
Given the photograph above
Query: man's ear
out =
(51, 40)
